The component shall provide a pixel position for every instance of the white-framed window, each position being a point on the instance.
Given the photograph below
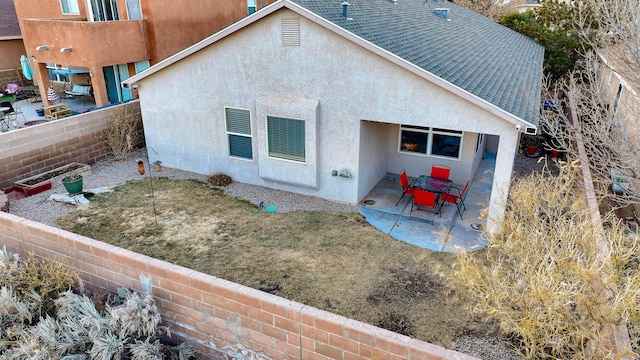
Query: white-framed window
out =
(104, 10)
(251, 6)
(430, 141)
(70, 7)
(239, 132)
(286, 138)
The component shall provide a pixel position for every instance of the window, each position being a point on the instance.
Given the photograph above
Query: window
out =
(430, 141)
(479, 141)
(252, 7)
(239, 132)
(286, 138)
(133, 10)
(104, 10)
(70, 7)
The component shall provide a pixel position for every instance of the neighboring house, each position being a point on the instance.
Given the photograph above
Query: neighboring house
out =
(11, 45)
(622, 76)
(103, 42)
(298, 92)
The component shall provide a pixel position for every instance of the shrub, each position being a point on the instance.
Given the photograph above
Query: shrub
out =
(121, 133)
(40, 318)
(219, 179)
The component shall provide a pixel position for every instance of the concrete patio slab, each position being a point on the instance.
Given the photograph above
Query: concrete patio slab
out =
(448, 232)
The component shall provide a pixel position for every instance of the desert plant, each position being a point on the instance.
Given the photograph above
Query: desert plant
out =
(553, 277)
(121, 133)
(219, 179)
(126, 328)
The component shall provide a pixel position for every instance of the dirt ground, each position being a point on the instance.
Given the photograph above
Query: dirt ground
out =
(332, 261)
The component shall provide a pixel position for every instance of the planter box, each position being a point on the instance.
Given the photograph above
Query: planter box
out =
(45, 181)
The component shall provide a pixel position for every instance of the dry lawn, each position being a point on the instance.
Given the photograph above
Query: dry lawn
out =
(336, 262)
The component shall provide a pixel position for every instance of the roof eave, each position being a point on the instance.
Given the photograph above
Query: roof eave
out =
(474, 99)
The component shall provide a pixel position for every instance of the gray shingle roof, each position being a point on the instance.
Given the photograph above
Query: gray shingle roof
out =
(469, 50)
(9, 25)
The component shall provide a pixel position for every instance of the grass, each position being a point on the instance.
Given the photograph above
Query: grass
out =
(332, 261)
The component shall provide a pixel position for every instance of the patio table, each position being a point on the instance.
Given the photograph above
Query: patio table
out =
(433, 184)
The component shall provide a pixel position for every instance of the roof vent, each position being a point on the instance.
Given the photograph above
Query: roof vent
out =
(393, 1)
(345, 8)
(442, 12)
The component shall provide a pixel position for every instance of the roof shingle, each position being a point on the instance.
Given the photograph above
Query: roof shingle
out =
(468, 50)
(9, 26)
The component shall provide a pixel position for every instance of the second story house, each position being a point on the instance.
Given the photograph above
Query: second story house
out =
(103, 42)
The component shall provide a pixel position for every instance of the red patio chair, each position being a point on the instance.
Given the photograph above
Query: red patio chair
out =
(457, 199)
(406, 186)
(440, 171)
(427, 200)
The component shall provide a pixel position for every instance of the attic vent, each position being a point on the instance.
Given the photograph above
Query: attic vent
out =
(442, 12)
(290, 32)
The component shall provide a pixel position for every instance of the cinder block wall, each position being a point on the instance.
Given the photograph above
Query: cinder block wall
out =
(33, 150)
(221, 319)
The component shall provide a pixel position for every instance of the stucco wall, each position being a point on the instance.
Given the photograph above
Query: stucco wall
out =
(219, 318)
(36, 149)
(183, 106)
(10, 51)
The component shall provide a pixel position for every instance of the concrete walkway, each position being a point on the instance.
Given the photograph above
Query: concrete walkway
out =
(448, 233)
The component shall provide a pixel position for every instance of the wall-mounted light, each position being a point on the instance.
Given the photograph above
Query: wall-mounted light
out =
(66, 49)
(42, 47)
(135, 86)
(33, 58)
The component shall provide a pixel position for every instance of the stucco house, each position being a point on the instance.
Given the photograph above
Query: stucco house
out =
(321, 98)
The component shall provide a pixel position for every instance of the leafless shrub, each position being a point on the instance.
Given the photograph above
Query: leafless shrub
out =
(121, 133)
(219, 179)
(544, 278)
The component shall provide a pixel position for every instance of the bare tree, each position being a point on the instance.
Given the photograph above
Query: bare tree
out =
(490, 8)
(601, 98)
(537, 276)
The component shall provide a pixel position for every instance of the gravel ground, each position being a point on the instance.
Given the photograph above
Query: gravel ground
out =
(110, 173)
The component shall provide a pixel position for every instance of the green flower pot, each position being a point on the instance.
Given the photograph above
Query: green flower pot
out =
(73, 184)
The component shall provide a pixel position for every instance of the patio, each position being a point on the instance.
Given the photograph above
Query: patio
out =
(448, 233)
(28, 108)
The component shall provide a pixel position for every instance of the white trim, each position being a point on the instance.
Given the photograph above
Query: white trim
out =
(446, 85)
(71, 12)
(304, 138)
(430, 131)
(239, 134)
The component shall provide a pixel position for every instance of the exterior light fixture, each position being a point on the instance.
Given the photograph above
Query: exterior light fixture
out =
(66, 49)
(42, 47)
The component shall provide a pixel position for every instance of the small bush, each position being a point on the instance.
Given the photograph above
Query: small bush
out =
(41, 318)
(122, 134)
(219, 179)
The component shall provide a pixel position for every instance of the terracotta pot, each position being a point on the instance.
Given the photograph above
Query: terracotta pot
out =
(532, 150)
(555, 154)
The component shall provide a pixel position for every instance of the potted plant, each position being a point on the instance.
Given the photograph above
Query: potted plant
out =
(532, 143)
(73, 184)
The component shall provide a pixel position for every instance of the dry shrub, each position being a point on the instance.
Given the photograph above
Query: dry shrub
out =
(121, 133)
(219, 179)
(545, 279)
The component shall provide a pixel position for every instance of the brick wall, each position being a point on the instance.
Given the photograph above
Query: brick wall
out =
(36, 149)
(13, 76)
(221, 319)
